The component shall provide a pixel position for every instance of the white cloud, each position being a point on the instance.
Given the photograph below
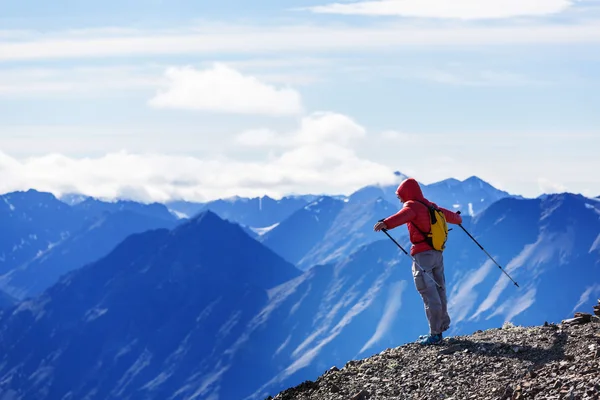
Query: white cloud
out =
(224, 89)
(77, 80)
(548, 186)
(316, 129)
(295, 39)
(397, 137)
(457, 9)
(317, 158)
(475, 78)
(258, 138)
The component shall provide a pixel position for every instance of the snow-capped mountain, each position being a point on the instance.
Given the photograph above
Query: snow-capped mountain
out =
(472, 195)
(256, 213)
(206, 311)
(85, 245)
(152, 319)
(327, 229)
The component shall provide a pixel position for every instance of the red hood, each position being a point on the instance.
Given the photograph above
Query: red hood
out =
(409, 189)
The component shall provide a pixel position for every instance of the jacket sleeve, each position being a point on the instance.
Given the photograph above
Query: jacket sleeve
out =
(451, 217)
(401, 217)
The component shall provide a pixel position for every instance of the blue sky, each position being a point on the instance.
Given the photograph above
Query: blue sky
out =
(158, 100)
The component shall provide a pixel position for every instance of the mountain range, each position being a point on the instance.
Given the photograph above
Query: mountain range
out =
(257, 212)
(43, 238)
(205, 311)
(94, 240)
(153, 318)
(326, 230)
(262, 214)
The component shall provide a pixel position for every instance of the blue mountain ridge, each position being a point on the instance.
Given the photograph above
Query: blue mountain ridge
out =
(94, 240)
(147, 318)
(32, 222)
(205, 310)
(256, 212)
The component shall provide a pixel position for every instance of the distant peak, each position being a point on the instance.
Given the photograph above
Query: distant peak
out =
(474, 179)
(206, 216)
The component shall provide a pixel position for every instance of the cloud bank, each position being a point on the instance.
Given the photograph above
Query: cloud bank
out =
(458, 9)
(317, 157)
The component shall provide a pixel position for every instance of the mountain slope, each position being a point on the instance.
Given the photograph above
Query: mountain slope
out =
(6, 300)
(367, 302)
(472, 195)
(296, 235)
(327, 230)
(31, 222)
(148, 320)
(93, 209)
(257, 212)
(95, 240)
(542, 244)
(206, 310)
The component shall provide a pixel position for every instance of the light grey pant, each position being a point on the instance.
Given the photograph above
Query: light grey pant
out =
(434, 298)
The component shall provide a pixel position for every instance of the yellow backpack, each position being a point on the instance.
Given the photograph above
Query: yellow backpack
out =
(438, 234)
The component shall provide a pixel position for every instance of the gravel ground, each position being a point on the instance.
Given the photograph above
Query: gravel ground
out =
(544, 362)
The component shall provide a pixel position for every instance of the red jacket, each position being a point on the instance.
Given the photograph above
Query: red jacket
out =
(414, 212)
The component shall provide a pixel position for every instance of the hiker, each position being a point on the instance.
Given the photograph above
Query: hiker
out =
(417, 217)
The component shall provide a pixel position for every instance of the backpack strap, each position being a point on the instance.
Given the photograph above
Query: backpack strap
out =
(426, 238)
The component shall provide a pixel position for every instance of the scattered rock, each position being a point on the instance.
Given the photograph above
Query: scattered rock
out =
(545, 362)
(585, 316)
(573, 321)
(362, 395)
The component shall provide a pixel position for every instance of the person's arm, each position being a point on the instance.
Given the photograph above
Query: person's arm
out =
(451, 217)
(400, 218)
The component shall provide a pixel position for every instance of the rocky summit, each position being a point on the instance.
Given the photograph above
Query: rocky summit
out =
(552, 361)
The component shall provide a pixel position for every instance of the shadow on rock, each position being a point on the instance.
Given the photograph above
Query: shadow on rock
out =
(538, 354)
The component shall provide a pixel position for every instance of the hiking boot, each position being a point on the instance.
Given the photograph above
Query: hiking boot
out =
(431, 339)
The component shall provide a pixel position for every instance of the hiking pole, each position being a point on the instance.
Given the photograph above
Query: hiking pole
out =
(488, 254)
(415, 261)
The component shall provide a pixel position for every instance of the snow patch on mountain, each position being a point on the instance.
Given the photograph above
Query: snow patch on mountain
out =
(95, 313)
(586, 295)
(262, 231)
(393, 305)
(10, 206)
(595, 245)
(283, 345)
(463, 296)
(309, 355)
(549, 247)
(592, 207)
(179, 214)
(515, 305)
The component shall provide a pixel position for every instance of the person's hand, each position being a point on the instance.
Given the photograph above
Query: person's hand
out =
(379, 226)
